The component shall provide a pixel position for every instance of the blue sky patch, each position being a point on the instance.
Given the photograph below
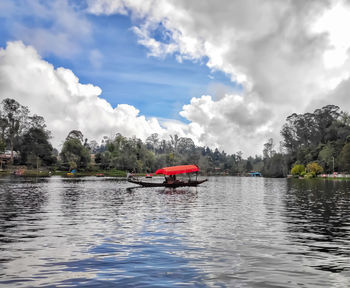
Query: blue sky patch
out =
(111, 58)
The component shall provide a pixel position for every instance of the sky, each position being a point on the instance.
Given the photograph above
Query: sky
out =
(226, 74)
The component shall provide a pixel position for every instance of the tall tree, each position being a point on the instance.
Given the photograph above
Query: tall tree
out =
(344, 158)
(275, 166)
(15, 116)
(73, 153)
(248, 166)
(268, 151)
(75, 134)
(174, 140)
(152, 142)
(35, 147)
(185, 145)
(326, 157)
(3, 126)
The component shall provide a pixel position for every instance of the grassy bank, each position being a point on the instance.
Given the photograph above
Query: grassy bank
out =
(48, 173)
(5, 173)
(107, 173)
(335, 178)
(322, 178)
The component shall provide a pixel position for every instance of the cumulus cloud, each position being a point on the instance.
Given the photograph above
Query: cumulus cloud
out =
(237, 123)
(289, 56)
(64, 102)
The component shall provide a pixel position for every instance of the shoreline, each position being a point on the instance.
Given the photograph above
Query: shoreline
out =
(49, 173)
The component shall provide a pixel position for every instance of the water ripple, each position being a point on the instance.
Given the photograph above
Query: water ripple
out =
(230, 232)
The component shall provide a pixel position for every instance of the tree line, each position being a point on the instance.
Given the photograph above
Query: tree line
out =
(27, 137)
(321, 137)
(24, 135)
(312, 143)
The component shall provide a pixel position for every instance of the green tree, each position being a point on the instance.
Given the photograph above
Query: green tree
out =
(309, 129)
(73, 151)
(152, 142)
(268, 151)
(204, 164)
(75, 134)
(298, 170)
(15, 115)
(2, 146)
(185, 146)
(3, 127)
(104, 159)
(314, 168)
(275, 166)
(344, 158)
(35, 145)
(248, 166)
(174, 140)
(37, 121)
(326, 157)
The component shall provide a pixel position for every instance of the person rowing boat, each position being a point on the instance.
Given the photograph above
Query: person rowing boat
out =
(170, 177)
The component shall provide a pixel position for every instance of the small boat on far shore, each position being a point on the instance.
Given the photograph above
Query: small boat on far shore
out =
(72, 173)
(170, 178)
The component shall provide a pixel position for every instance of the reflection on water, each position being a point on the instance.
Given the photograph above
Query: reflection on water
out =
(319, 219)
(236, 232)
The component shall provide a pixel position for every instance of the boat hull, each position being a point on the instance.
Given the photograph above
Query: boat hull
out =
(170, 185)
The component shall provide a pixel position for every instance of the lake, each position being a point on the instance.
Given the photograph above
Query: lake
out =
(228, 232)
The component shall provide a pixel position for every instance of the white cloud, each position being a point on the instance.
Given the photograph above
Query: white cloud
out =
(231, 123)
(65, 103)
(59, 27)
(289, 56)
(334, 22)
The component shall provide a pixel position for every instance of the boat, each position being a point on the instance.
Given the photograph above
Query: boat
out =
(19, 172)
(170, 185)
(171, 180)
(72, 173)
(255, 174)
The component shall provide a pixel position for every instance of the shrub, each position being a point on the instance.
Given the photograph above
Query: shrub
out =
(309, 175)
(297, 170)
(314, 168)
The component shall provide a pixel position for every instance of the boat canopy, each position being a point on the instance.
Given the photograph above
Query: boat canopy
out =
(177, 170)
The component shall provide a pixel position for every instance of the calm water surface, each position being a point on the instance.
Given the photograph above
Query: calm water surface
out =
(229, 232)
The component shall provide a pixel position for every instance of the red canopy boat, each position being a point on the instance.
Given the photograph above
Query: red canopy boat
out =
(171, 180)
(174, 170)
